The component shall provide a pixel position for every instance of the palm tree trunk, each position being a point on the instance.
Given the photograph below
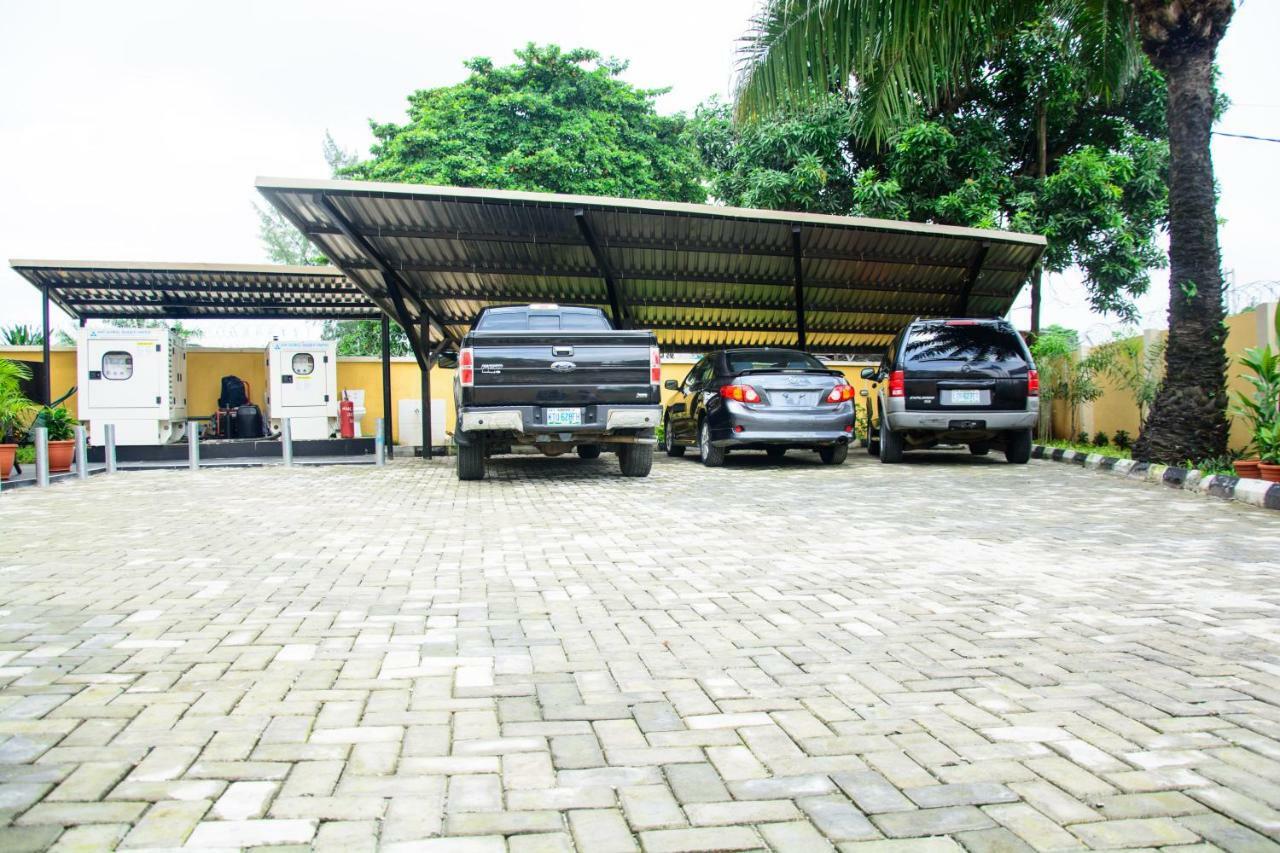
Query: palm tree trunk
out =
(1188, 417)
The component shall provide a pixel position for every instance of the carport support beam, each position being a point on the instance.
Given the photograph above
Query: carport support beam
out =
(797, 256)
(426, 393)
(384, 423)
(606, 271)
(975, 271)
(44, 346)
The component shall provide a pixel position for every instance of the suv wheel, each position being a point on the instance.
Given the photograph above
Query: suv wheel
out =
(834, 455)
(1017, 446)
(635, 460)
(669, 440)
(891, 443)
(712, 456)
(471, 461)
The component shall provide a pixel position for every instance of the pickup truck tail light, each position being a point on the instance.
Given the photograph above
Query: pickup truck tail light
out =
(740, 393)
(897, 384)
(466, 368)
(839, 394)
(1033, 383)
(655, 367)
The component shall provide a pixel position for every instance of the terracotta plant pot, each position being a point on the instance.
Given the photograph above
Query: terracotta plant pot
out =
(60, 455)
(1246, 468)
(1270, 473)
(7, 454)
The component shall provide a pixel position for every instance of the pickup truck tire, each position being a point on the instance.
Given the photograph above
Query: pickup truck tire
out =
(712, 456)
(834, 455)
(588, 451)
(891, 444)
(1017, 446)
(669, 441)
(470, 461)
(636, 460)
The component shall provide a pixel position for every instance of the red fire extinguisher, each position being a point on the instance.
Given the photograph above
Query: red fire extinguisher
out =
(347, 418)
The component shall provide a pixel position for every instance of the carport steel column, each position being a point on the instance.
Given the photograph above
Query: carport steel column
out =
(386, 382)
(425, 408)
(47, 383)
(797, 255)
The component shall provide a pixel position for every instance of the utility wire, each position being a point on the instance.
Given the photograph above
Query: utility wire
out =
(1246, 136)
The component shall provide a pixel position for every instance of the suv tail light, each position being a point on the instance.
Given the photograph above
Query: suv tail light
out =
(740, 393)
(466, 368)
(839, 394)
(1033, 383)
(655, 367)
(897, 384)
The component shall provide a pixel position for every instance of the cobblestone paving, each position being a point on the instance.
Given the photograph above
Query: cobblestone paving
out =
(952, 653)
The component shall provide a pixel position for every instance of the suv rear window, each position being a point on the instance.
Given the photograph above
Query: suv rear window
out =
(930, 343)
(525, 319)
(770, 359)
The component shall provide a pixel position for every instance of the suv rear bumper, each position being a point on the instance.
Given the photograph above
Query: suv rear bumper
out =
(596, 420)
(942, 421)
(780, 426)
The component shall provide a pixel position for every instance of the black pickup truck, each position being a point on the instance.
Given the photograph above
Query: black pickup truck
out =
(556, 378)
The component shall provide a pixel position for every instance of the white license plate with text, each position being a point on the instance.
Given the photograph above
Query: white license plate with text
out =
(563, 417)
(962, 398)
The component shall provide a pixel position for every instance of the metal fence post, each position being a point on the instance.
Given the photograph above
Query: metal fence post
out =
(42, 456)
(109, 448)
(193, 445)
(82, 454)
(379, 445)
(286, 441)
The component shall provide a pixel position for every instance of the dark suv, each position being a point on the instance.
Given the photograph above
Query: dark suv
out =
(959, 381)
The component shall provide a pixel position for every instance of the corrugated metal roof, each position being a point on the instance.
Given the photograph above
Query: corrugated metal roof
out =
(133, 290)
(701, 276)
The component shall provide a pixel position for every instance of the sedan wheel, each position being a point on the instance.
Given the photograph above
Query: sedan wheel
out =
(712, 456)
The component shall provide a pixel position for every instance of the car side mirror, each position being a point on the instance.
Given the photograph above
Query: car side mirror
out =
(864, 393)
(671, 385)
(447, 359)
(868, 373)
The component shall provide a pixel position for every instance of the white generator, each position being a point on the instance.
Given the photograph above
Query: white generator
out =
(135, 379)
(302, 385)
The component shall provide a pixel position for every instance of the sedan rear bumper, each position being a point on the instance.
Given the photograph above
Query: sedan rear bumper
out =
(735, 425)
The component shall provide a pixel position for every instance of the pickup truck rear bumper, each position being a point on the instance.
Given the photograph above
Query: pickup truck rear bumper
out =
(596, 420)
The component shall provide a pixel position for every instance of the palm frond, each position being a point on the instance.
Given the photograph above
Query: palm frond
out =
(1110, 51)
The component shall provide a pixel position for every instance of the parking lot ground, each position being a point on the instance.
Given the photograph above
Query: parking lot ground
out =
(950, 653)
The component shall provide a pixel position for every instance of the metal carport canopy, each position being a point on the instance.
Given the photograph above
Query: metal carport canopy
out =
(115, 290)
(701, 276)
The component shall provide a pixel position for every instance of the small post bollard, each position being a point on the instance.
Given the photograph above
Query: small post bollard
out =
(193, 445)
(82, 454)
(109, 447)
(42, 456)
(379, 445)
(286, 441)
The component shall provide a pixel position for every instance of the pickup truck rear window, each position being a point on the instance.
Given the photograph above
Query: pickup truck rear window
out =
(977, 342)
(523, 319)
(771, 359)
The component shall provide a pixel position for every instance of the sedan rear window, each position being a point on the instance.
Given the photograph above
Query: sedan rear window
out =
(969, 342)
(771, 359)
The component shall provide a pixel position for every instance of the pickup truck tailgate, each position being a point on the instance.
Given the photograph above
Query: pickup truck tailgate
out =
(582, 368)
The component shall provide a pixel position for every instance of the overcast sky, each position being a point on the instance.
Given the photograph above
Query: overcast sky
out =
(134, 130)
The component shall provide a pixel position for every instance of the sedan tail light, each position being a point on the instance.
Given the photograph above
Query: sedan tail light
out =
(839, 394)
(655, 366)
(1033, 383)
(897, 384)
(466, 368)
(740, 393)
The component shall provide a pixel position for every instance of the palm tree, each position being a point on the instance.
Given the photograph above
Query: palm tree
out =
(908, 56)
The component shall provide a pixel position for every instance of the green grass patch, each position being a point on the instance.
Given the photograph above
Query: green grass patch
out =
(1106, 450)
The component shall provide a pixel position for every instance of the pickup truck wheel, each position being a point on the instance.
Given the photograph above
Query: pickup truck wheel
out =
(1017, 446)
(891, 444)
(470, 461)
(834, 455)
(636, 460)
(669, 441)
(712, 456)
(588, 451)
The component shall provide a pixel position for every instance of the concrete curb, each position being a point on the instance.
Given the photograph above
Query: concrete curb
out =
(1246, 490)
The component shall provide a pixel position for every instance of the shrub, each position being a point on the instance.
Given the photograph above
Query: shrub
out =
(1083, 439)
(1101, 440)
(1122, 440)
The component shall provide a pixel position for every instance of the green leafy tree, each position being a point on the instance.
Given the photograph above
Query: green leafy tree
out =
(1135, 367)
(363, 337)
(1066, 376)
(555, 121)
(907, 57)
(21, 335)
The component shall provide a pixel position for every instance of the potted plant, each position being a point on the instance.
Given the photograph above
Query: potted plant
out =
(14, 407)
(61, 426)
(1262, 407)
(1267, 441)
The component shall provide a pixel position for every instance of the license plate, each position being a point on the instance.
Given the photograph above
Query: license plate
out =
(962, 398)
(563, 417)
